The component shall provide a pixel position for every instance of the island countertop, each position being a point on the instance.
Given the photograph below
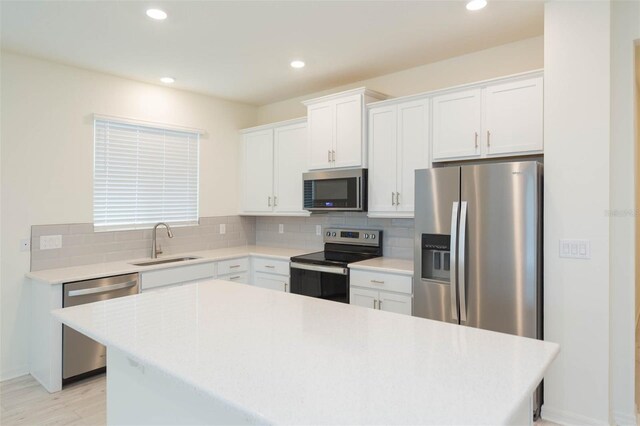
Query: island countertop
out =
(288, 359)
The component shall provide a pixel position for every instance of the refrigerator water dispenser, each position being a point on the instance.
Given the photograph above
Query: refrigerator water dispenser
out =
(436, 257)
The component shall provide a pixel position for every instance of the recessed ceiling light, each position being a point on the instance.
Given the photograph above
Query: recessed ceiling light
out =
(167, 80)
(297, 64)
(476, 4)
(157, 14)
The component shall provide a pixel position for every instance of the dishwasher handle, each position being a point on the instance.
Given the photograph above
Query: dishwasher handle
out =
(102, 289)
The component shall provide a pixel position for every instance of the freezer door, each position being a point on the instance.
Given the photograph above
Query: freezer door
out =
(437, 193)
(499, 269)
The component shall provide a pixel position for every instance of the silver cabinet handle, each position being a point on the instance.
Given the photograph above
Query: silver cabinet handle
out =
(333, 156)
(103, 289)
(476, 140)
(397, 198)
(285, 287)
(374, 304)
(393, 202)
(454, 255)
(329, 155)
(269, 266)
(488, 139)
(234, 266)
(269, 201)
(236, 277)
(377, 282)
(275, 201)
(461, 262)
(379, 304)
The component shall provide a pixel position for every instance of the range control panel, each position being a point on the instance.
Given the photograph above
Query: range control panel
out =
(367, 237)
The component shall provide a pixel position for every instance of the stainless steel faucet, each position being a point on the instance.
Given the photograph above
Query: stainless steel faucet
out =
(154, 249)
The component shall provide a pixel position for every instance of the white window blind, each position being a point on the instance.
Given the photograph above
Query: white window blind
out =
(143, 175)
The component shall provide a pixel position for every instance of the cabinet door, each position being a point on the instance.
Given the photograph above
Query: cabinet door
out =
(513, 118)
(382, 159)
(457, 123)
(363, 297)
(290, 162)
(398, 303)
(257, 186)
(348, 132)
(273, 282)
(413, 150)
(320, 119)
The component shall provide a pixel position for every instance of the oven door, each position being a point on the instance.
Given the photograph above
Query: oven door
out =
(324, 282)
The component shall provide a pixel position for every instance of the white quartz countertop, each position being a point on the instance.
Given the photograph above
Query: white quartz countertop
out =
(385, 264)
(291, 359)
(97, 270)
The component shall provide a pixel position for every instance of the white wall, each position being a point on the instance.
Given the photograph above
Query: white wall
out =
(47, 161)
(577, 131)
(625, 29)
(512, 58)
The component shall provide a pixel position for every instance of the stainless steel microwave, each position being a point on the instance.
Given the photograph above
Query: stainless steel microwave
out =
(336, 190)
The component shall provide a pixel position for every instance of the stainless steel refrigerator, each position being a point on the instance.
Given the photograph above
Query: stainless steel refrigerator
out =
(478, 242)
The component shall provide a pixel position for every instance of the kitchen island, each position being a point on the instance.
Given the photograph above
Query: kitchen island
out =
(216, 352)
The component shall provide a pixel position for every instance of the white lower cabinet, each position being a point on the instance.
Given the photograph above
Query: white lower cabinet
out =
(381, 290)
(178, 275)
(271, 281)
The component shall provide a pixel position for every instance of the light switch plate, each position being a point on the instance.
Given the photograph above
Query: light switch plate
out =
(223, 228)
(281, 229)
(575, 249)
(319, 230)
(49, 242)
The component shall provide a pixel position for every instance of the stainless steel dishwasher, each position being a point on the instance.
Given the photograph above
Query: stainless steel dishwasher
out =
(82, 356)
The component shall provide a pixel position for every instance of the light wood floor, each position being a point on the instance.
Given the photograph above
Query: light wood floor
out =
(23, 401)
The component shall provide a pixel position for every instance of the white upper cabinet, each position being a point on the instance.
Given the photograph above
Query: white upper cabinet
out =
(513, 117)
(336, 129)
(457, 124)
(289, 164)
(398, 145)
(273, 161)
(497, 119)
(257, 188)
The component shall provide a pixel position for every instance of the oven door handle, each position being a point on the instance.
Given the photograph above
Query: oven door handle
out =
(320, 268)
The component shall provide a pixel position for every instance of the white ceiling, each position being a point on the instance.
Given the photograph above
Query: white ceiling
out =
(241, 50)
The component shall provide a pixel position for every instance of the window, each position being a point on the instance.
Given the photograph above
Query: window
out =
(143, 174)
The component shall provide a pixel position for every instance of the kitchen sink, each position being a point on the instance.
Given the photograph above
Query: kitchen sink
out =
(161, 261)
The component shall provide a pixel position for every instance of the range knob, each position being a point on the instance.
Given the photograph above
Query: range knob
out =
(373, 236)
(366, 236)
(328, 234)
(333, 234)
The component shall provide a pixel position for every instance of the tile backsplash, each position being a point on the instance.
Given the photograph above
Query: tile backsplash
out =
(81, 245)
(300, 232)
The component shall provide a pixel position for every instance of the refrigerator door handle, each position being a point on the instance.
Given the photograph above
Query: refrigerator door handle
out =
(461, 262)
(453, 262)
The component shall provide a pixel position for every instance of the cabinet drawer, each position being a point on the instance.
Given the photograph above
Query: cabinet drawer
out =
(381, 281)
(242, 277)
(180, 274)
(272, 282)
(233, 266)
(271, 266)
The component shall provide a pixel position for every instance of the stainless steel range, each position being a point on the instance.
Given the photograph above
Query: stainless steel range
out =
(325, 274)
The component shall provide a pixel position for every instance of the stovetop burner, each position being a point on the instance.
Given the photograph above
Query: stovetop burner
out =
(344, 246)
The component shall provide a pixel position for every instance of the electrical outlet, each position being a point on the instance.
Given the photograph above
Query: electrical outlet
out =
(319, 230)
(575, 249)
(281, 229)
(25, 244)
(223, 228)
(48, 242)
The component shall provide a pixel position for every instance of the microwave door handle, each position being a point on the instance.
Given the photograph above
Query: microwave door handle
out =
(461, 262)
(454, 260)
(358, 201)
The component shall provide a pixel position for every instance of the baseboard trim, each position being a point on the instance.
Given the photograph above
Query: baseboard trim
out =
(568, 418)
(624, 419)
(8, 375)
